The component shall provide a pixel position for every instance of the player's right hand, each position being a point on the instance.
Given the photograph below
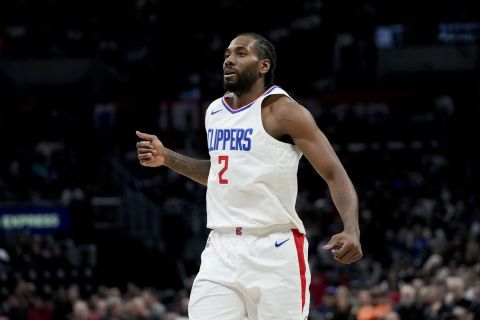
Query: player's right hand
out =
(150, 151)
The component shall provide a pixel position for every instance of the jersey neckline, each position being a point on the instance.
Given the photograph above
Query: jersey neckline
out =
(248, 105)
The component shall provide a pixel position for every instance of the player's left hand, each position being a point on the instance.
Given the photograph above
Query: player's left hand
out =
(345, 247)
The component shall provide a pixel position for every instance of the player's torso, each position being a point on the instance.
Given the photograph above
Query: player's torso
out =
(253, 176)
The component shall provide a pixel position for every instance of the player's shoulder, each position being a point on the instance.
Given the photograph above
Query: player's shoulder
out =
(284, 107)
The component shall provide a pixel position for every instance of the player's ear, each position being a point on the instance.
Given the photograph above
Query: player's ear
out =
(264, 66)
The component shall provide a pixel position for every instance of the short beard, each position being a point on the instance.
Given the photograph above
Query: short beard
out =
(244, 82)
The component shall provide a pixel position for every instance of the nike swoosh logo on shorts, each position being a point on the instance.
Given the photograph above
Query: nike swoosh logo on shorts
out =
(215, 111)
(278, 244)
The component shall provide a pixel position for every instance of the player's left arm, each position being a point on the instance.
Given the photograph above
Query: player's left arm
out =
(297, 122)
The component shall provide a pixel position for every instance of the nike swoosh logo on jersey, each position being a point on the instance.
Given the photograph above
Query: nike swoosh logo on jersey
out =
(215, 111)
(278, 244)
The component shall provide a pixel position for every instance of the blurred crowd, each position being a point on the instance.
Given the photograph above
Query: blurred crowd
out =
(434, 291)
(105, 303)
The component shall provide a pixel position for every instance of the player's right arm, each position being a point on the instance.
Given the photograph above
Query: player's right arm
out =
(152, 153)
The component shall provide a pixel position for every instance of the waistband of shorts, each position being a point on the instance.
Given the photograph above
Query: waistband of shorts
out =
(261, 231)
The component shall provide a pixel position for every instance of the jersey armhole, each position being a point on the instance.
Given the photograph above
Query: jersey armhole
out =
(267, 135)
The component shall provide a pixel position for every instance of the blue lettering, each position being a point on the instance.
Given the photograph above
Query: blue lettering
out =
(219, 137)
(226, 137)
(210, 139)
(239, 139)
(232, 140)
(229, 139)
(247, 139)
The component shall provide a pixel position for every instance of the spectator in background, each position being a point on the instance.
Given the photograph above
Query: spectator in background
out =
(364, 303)
(392, 316)
(455, 296)
(327, 306)
(39, 309)
(156, 309)
(115, 309)
(374, 305)
(343, 308)
(407, 308)
(460, 313)
(73, 294)
(435, 308)
(61, 306)
(80, 311)
(137, 309)
(14, 308)
(98, 307)
(171, 316)
(317, 288)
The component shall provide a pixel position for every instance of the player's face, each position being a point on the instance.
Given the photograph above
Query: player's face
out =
(241, 65)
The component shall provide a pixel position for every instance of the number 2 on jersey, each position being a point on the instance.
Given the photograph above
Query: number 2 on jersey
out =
(223, 159)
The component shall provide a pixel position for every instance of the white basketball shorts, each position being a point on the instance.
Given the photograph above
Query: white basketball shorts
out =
(245, 276)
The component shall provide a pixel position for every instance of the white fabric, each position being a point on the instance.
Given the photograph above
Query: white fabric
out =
(250, 277)
(253, 177)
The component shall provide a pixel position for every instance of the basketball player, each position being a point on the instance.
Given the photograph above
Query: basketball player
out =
(255, 263)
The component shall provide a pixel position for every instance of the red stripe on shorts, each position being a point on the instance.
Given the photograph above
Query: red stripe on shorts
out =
(299, 239)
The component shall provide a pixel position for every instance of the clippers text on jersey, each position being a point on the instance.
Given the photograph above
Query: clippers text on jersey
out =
(230, 139)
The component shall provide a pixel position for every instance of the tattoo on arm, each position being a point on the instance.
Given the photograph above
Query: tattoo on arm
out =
(192, 168)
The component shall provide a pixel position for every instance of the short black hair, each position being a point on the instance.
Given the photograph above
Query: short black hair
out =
(266, 50)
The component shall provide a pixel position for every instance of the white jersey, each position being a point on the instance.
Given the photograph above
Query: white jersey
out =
(252, 182)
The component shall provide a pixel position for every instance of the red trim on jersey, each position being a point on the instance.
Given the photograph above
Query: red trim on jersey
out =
(231, 109)
(299, 240)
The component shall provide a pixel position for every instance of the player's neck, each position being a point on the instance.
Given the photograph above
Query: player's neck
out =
(239, 99)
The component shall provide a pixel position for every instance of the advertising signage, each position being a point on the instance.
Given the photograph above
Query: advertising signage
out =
(34, 219)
